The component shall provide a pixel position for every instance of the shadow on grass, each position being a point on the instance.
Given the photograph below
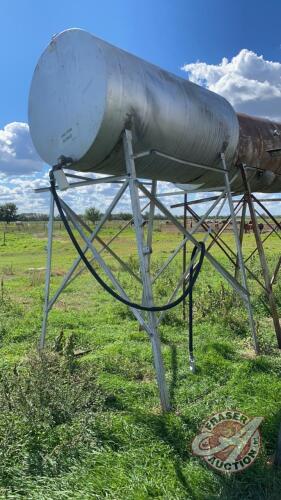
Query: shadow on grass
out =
(224, 349)
(261, 481)
(164, 428)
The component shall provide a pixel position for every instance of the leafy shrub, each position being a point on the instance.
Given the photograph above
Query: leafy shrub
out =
(10, 312)
(48, 409)
(223, 303)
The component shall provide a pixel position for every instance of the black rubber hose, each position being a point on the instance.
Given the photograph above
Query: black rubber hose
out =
(190, 317)
(166, 307)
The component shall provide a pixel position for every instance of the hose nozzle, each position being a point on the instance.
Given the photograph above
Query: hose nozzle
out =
(192, 363)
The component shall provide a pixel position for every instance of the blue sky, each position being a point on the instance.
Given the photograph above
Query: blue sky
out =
(170, 34)
(167, 33)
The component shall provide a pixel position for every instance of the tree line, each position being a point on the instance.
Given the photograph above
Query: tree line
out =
(9, 213)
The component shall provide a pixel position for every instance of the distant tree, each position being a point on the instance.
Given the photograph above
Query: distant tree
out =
(123, 216)
(30, 217)
(92, 214)
(8, 212)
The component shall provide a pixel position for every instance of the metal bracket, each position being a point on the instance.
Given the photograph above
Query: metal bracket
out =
(61, 179)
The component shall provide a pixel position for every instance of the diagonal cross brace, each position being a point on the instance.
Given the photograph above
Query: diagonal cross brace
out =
(241, 290)
(93, 235)
(103, 265)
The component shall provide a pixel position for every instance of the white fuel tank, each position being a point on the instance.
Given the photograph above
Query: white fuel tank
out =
(84, 92)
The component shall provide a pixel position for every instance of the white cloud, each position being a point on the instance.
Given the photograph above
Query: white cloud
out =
(22, 171)
(250, 82)
(17, 153)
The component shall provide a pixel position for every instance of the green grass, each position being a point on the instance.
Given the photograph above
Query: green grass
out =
(92, 427)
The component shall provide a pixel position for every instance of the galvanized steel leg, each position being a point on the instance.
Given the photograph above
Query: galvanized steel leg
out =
(240, 255)
(143, 253)
(151, 220)
(241, 234)
(48, 273)
(150, 229)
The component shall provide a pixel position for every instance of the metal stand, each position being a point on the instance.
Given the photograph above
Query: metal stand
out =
(144, 252)
(148, 321)
(266, 275)
(48, 272)
(241, 234)
(247, 200)
(240, 255)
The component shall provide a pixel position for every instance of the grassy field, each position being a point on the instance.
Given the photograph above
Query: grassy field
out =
(90, 426)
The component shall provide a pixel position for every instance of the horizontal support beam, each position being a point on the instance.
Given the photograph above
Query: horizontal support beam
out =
(170, 193)
(110, 179)
(176, 160)
(195, 202)
(269, 200)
